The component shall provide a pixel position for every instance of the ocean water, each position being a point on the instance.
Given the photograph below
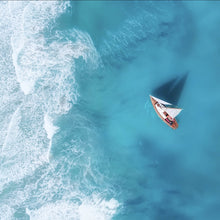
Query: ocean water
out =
(79, 137)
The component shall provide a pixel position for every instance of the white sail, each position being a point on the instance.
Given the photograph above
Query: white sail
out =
(161, 101)
(173, 112)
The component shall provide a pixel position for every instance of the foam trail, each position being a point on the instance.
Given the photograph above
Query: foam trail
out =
(99, 209)
(49, 73)
(95, 208)
(51, 130)
(24, 148)
(55, 211)
(27, 32)
(14, 120)
(8, 212)
(45, 75)
(33, 57)
(11, 96)
(49, 127)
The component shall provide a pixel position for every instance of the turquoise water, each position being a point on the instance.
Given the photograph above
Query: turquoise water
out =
(79, 136)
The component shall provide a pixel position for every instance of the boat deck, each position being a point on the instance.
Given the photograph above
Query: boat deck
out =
(174, 124)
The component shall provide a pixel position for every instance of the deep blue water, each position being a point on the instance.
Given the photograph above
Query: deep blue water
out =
(79, 136)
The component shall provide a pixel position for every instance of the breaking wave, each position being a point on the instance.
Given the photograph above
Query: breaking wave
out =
(41, 89)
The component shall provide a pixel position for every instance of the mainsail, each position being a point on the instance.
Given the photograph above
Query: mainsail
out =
(173, 112)
(161, 101)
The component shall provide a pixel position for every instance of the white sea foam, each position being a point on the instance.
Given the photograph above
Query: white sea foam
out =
(49, 127)
(71, 202)
(8, 212)
(27, 40)
(45, 71)
(43, 67)
(9, 88)
(97, 209)
(13, 123)
(25, 146)
(51, 130)
(55, 211)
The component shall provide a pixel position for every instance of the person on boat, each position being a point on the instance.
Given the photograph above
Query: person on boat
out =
(169, 121)
(170, 118)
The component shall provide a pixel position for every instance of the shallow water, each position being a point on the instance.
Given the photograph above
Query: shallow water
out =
(79, 136)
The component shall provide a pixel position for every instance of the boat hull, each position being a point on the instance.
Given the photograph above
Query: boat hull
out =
(174, 125)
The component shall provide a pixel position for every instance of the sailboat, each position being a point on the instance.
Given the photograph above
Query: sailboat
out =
(165, 111)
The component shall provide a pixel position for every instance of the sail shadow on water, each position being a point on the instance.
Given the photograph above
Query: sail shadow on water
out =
(172, 89)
